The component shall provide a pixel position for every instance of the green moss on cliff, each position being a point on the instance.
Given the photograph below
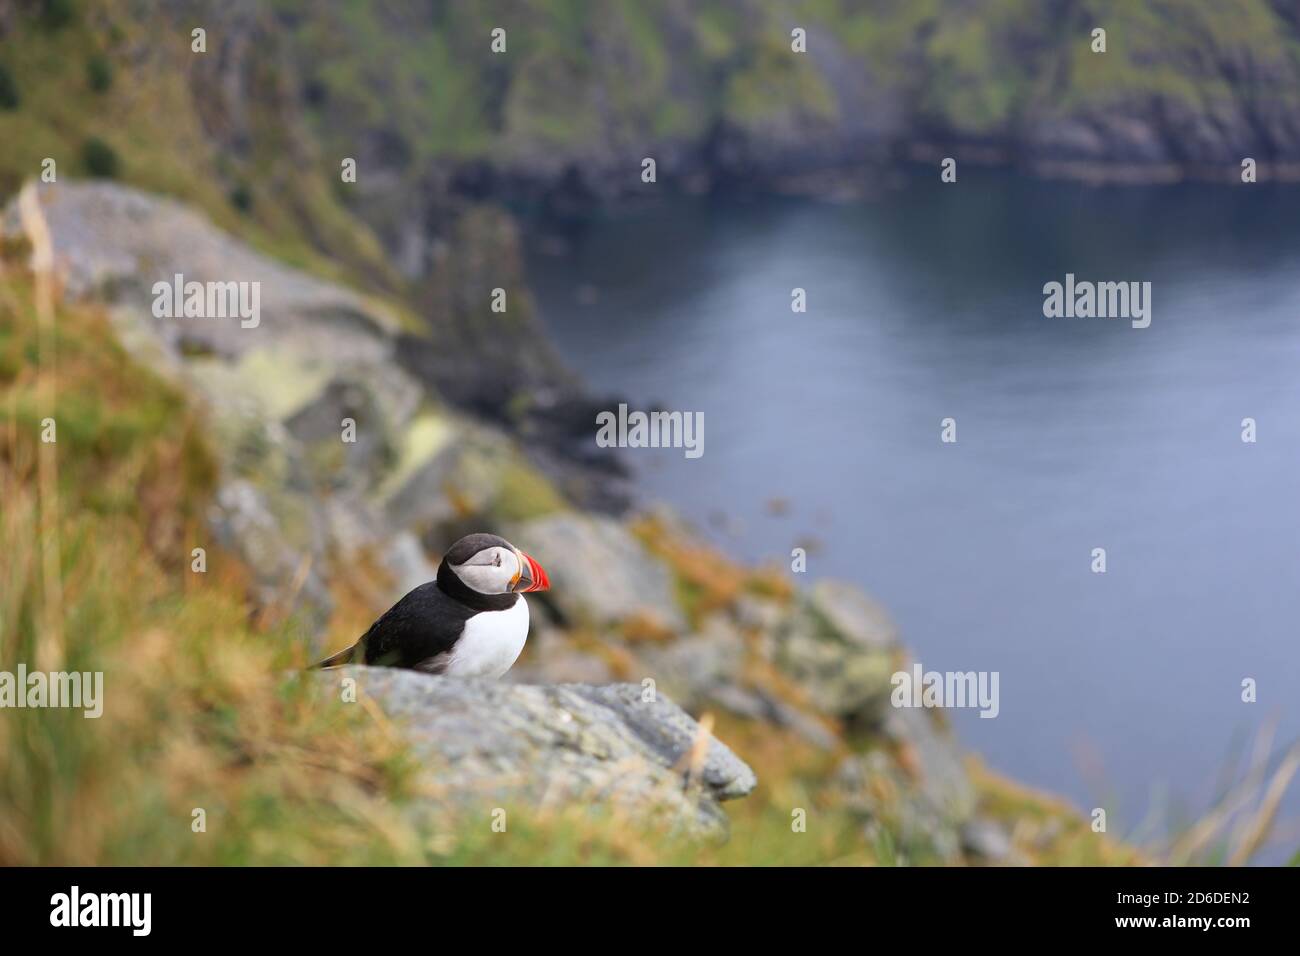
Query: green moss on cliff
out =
(158, 120)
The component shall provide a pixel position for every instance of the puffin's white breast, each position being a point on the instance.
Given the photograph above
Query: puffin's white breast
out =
(491, 642)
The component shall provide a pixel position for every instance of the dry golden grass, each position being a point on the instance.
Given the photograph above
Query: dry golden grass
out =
(1045, 829)
(198, 711)
(707, 580)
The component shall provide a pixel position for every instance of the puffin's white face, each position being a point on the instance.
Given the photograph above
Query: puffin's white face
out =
(490, 564)
(490, 571)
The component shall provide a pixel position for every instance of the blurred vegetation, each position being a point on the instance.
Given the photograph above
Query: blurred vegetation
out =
(9, 99)
(581, 81)
(99, 73)
(148, 111)
(100, 159)
(587, 79)
(415, 86)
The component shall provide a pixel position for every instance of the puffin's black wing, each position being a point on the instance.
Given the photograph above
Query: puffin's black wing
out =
(418, 631)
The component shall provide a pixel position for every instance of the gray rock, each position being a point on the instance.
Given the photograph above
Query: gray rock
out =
(925, 799)
(845, 674)
(706, 670)
(550, 659)
(406, 561)
(805, 725)
(599, 572)
(116, 241)
(741, 701)
(987, 841)
(555, 745)
(875, 786)
(671, 734)
(758, 614)
(285, 575)
(943, 783)
(852, 615)
(691, 668)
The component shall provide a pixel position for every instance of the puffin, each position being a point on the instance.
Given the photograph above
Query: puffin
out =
(471, 621)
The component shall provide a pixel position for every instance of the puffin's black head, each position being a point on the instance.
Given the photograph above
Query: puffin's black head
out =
(490, 564)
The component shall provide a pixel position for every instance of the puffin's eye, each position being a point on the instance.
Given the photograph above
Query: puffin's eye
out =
(497, 562)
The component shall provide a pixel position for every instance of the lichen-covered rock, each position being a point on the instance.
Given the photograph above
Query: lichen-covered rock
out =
(936, 762)
(692, 669)
(117, 241)
(244, 520)
(450, 467)
(843, 660)
(307, 407)
(920, 792)
(485, 743)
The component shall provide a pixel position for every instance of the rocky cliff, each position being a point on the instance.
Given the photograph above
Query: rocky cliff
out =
(333, 530)
(443, 128)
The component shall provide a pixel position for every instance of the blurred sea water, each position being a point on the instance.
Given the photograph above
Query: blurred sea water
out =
(1121, 689)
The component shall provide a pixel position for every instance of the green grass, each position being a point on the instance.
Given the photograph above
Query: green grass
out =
(148, 115)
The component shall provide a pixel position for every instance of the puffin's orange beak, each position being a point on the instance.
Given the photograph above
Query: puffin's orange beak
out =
(531, 575)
